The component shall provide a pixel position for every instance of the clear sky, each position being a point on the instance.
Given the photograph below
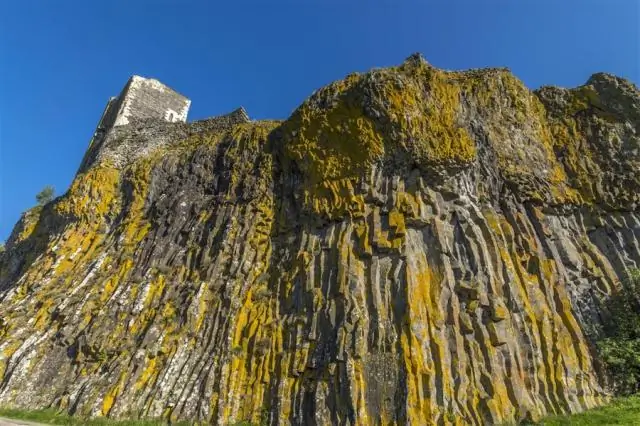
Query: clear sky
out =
(61, 60)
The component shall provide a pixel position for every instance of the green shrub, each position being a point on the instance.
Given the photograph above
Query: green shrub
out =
(45, 196)
(620, 349)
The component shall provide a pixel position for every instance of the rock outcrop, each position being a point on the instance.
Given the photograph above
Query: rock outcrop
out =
(411, 246)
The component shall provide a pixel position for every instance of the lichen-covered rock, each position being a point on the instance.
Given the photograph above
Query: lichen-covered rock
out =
(412, 246)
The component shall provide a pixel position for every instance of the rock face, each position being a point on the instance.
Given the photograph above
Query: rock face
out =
(412, 246)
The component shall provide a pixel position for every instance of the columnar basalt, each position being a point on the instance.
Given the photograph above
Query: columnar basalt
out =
(411, 246)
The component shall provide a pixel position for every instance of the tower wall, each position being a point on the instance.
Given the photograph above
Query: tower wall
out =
(109, 115)
(144, 98)
(140, 99)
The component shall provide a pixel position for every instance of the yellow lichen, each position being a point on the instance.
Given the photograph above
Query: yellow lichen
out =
(336, 145)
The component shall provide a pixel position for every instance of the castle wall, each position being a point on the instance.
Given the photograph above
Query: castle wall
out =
(109, 115)
(140, 99)
(107, 120)
(149, 99)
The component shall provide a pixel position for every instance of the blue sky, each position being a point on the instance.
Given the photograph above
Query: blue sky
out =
(61, 60)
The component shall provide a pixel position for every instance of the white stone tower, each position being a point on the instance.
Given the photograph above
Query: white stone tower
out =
(141, 99)
(144, 98)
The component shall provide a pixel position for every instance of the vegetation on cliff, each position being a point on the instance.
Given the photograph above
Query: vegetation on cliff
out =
(45, 196)
(620, 350)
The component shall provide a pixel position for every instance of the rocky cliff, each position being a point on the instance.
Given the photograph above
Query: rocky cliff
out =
(412, 246)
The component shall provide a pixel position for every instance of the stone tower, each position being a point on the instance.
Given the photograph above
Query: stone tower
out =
(144, 98)
(140, 99)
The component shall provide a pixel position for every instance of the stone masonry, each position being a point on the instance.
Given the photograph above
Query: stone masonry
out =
(141, 99)
(146, 104)
(144, 98)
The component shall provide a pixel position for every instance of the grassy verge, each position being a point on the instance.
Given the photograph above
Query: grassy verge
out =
(54, 418)
(621, 411)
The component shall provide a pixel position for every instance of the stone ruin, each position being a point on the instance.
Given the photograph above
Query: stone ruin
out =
(146, 110)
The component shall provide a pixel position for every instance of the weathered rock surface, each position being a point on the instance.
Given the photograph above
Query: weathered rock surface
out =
(412, 246)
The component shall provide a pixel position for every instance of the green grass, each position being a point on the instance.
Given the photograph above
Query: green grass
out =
(54, 418)
(621, 411)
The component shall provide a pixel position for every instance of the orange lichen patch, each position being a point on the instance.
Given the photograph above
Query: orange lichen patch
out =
(42, 315)
(424, 106)
(148, 375)
(135, 226)
(335, 140)
(574, 119)
(93, 195)
(335, 143)
(27, 224)
(253, 358)
(110, 397)
(576, 159)
(421, 335)
(8, 350)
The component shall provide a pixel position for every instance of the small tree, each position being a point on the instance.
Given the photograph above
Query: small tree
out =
(620, 349)
(45, 196)
(2, 249)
